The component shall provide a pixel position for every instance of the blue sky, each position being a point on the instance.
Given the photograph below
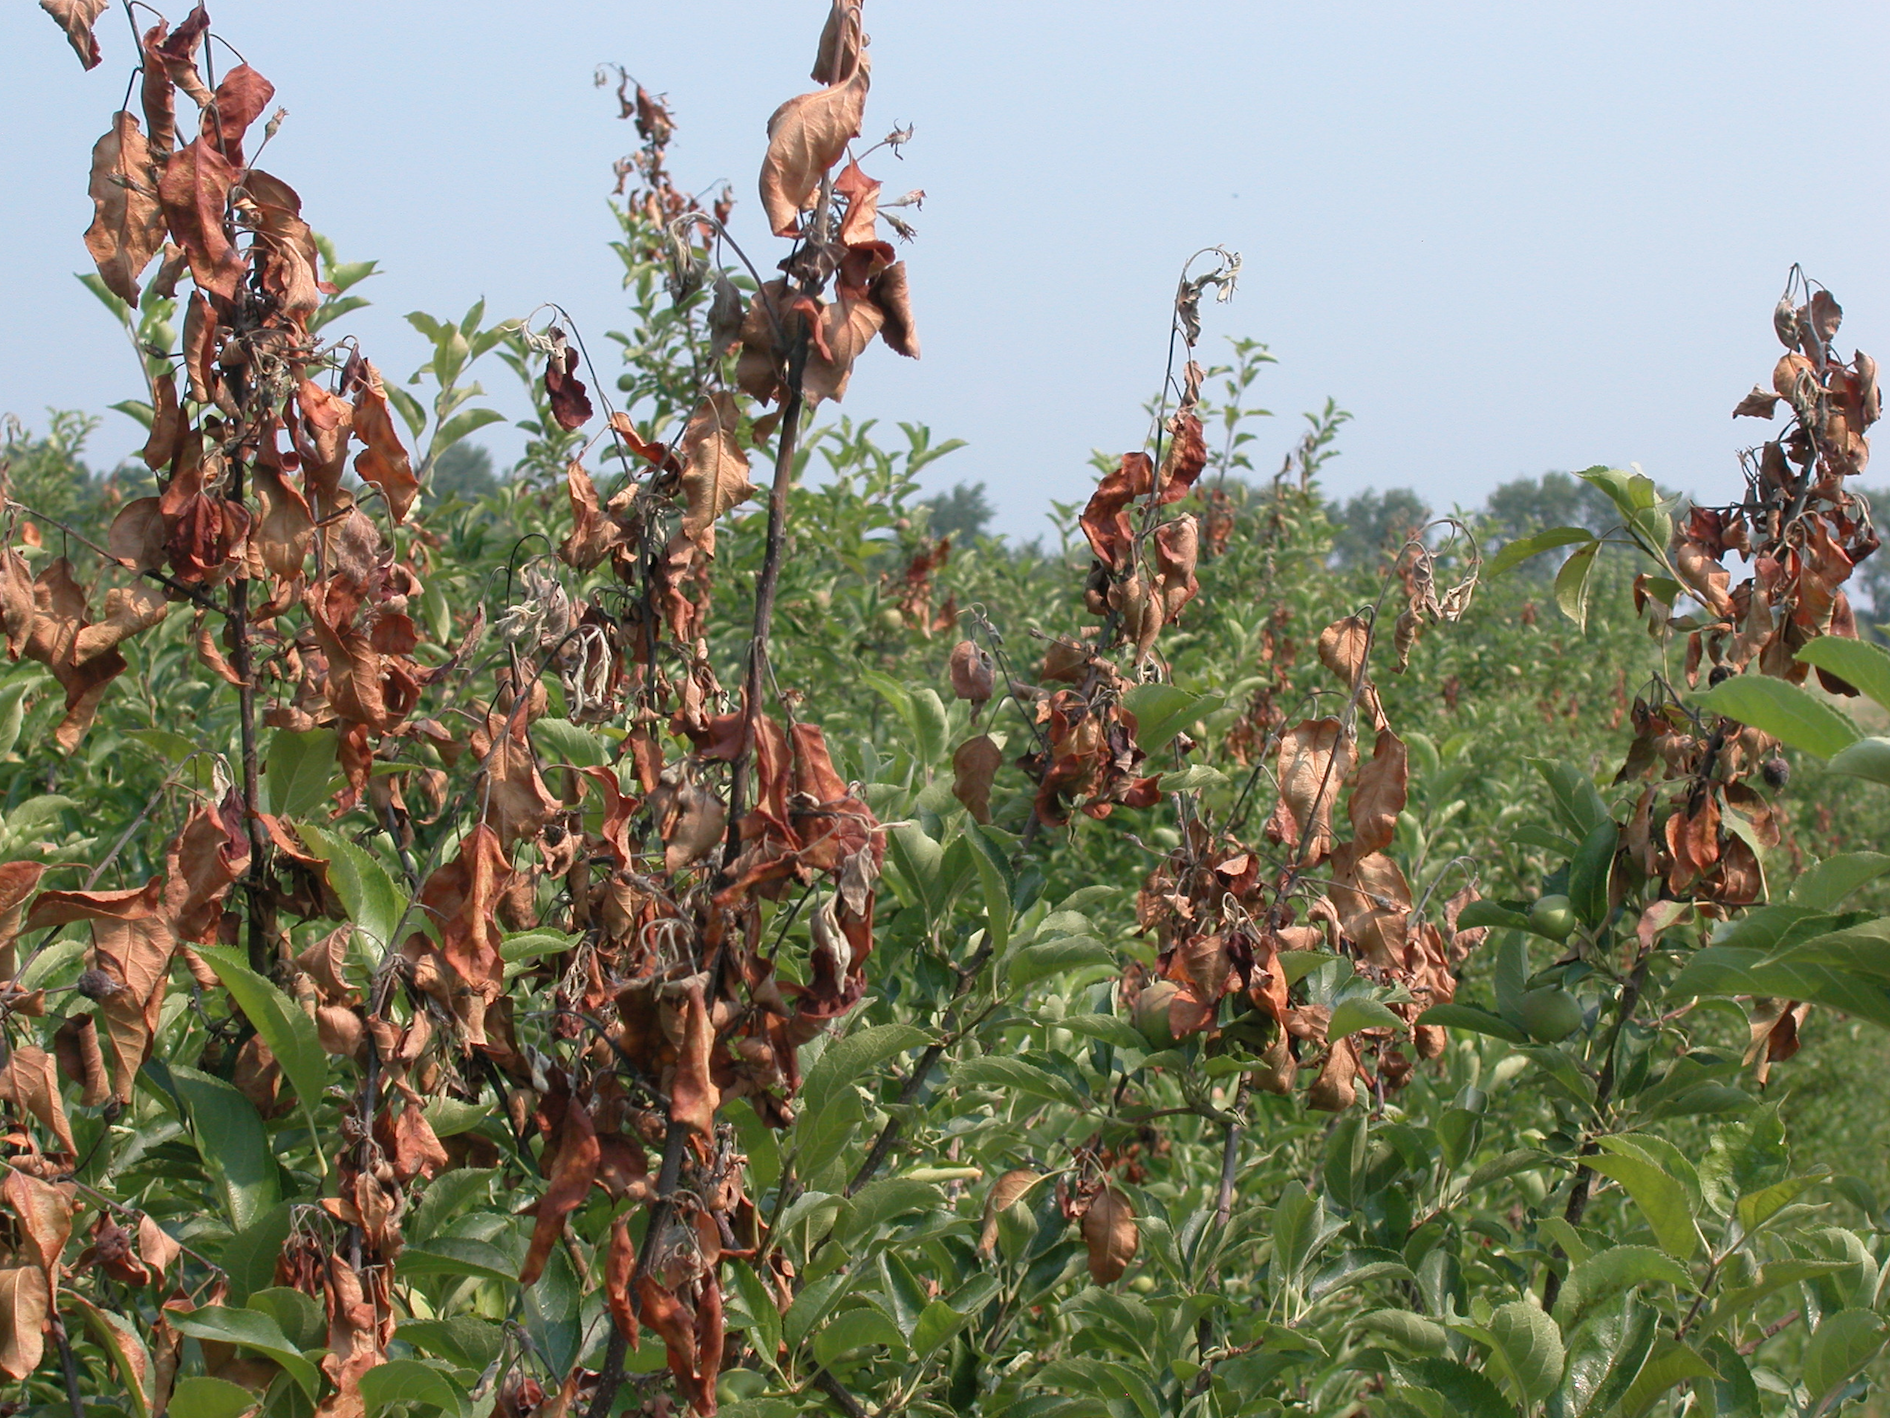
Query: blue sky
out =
(1507, 237)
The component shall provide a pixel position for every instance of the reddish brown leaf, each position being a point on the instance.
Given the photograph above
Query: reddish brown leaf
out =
(237, 103)
(1005, 1192)
(30, 1081)
(382, 462)
(571, 1161)
(715, 472)
(806, 136)
(692, 1092)
(594, 534)
(1374, 902)
(18, 880)
(195, 191)
(1315, 758)
(1110, 1233)
(891, 292)
(44, 1213)
(974, 765)
(24, 1303)
(76, 18)
(127, 967)
(127, 221)
(972, 674)
(75, 1044)
(1379, 795)
(570, 404)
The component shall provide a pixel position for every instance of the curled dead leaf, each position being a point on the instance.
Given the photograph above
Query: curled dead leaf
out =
(1110, 1233)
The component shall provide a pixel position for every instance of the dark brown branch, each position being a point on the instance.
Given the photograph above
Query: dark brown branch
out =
(835, 1390)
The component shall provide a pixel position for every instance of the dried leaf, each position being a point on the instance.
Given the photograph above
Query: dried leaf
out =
(77, 17)
(715, 472)
(195, 192)
(974, 765)
(383, 462)
(891, 292)
(571, 1159)
(1379, 795)
(30, 1081)
(1314, 759)
(127, 220)
(972, 674)
(1109, 1231)
(25, 1300)
(806, 136)
(1004, 1194)
(839, 44)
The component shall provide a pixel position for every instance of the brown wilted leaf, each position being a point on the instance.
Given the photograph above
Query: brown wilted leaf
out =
(715, 471)
(24, 1302)
(127, 221)
(195, 191)
(974, 765)
(382, 462)
(806, 136)
(891, 292)
(570, 404)
(1177, 547)
(238, 102)
(839, 44)
(44, 1212)
(972, 676)
(1005, 1192)
(1702, 575)
(692, 1092)
(60, 618)
(127, 968)
(841, 332)
(570, 1159)
(1343, 646)
(30, 1081)
(1379, 795)
(1759, 404)
(155, 1246)
(594, 533)
(18, 881)
(1314, 759)
(77, 17)
(75, 1045)
(285, 529)
(1373, 900)
(1109, 1231)
(1333, 1091)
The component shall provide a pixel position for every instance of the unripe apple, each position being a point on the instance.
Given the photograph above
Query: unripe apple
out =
(1550, 1014)
(1553, 916)
(1151, 1014)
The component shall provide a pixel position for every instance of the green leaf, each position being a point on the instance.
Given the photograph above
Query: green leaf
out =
(1052, 957)
(1413, 1331)
(393, 1383)
(1161, 711)
(1660, 1197)
(880, 1201)
(1607, 1356)
(1014, 1075)
(989, 855)
(299, 771)
(1520, 550)
(1792, 715)
(1601, 1278)
(461, 424)
(1571, 584)
(562, 742)
(1868, 758)
(1839, 1349)
(1467, 1393)
(1495, 915)
(1358, 1013)
(232, 1142)
(1825, 885)
(253, 1330)
(289, 1033)
(201, 1397)
(1477, 1021)
(861, 1328)
(1863, 665)
(457, 1255)
(1528, 1347)
(1588, 874)
(1669, 1364)
(367, 892)
(12, 714)
(848, 1059)
(1757, 1208)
